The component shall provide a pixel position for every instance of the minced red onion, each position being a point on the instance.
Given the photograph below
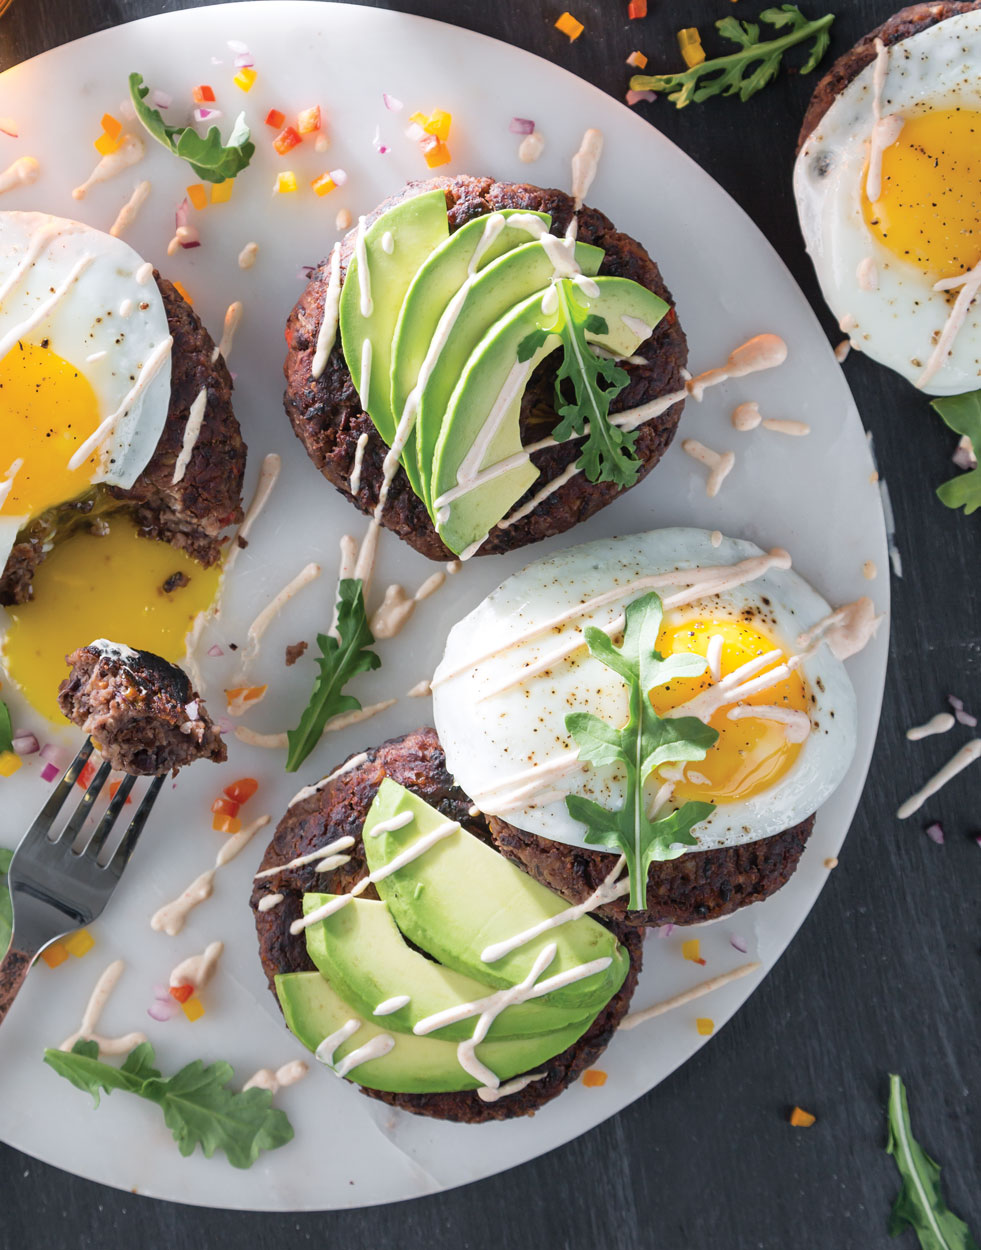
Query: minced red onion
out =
(163, 991)
(635, 97)
(663, 930)
(964, 456)
(225, 724)
(382, 149)
(25, 744)
(935, 832)
(244, 60)
(965, 718)
(51, 754)
(338, 177)
(162, 1011)
(206, 115)
(161, 99)
(521, 126)
(215, 651)
(415, 132)
(738, 944)
(49, 772)
(955, 703)
(391, 103)
(182, 213)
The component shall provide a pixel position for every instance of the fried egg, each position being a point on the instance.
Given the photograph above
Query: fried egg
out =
(893, 244)
(517, 666)
(84, 365)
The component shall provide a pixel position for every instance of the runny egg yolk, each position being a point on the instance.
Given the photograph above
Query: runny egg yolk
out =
(49, 409)
(111, 587)
(751, 754)
(928, 212)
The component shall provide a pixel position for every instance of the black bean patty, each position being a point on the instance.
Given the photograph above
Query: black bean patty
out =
(190, 515)
(907, 22)
(140, 710)
(326, 412)
(416, 761)
(702, 885)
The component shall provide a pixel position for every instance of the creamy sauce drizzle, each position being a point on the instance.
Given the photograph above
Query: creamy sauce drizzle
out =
(842, 350)
(397, 606)
(268, 475)
(846, 630)
(128, 153)
(531, 147)
(969, 284)
(198, 970)
(797, 725)
(21, 173)
(171, 918)
(584, 166)
(687, 996)
(309, 573)
(287, 1075)
(252, 737)
(354, 762)
(942, 723)
(867, 274)
(796, 429)
(354, 483)
(419, 847)
(608, 890)
(374, 1049)
(968, 753)
(325, 1051)
(746, 416)
(339, 844)
(885, 130)
(94, 1009)
(388, 243)
(719, 464)
(715, 538)
(233, 315)
(392, 1004)
(43, 310)
(364, 276)
(328, 325)
(154, 363)
(421, 690)
(269, 901)
(713, 656)
(7, 484)
(392, 824)
(486, 1094)
(127, 214)
(192, 432)
(246, 257)
(764, 351)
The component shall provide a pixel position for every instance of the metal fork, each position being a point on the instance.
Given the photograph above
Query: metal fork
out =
(55, 888)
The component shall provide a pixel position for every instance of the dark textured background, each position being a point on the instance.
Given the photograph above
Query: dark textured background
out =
(884, 975)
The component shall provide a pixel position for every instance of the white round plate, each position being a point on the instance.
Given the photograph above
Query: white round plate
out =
(813, 495)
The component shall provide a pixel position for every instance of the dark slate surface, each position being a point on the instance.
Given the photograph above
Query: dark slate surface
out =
(884, 975)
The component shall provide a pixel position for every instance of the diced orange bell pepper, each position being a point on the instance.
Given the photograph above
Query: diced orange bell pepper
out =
(242, 790)
(637, 60)
(800, 1118)
(286, 140)
(568, 25)
(637, 8)
(54, 954)
(223, 806)
(197, 195)
(181, 290)
(592, 1078)
(182, 992)
(112, 125)
(275, 119)
(309, 120)
(226, 824)
(323, 185)
(203, 94)
(435, 151)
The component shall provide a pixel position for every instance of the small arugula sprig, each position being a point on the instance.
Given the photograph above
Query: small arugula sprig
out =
(747, 71)
(210, 158)
(6, 729)
(646, 742)
(920, 1203)
(197, 1106)
(963, 414)
(341, 658)
(607, 454)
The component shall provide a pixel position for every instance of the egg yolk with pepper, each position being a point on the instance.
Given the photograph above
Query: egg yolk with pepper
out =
(751, 753)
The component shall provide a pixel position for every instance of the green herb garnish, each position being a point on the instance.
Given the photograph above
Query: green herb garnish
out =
(339, 661)
(607, 454)
(6, 907)
(197, 1107)
(920, 1204)
(747, 71)
(211, 160)
(6, 729)
(963, 414)
(645, 743)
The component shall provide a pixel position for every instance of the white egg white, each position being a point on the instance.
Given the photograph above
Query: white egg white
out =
(895, 323)
(108, 322)
(492, 743)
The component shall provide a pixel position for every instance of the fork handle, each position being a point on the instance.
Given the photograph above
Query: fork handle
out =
(14, 967)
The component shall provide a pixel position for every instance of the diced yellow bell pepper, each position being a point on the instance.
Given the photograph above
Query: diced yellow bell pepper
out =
(193, 1009)
(285, 182)
(438, 124)
(9, 763)
(105, 145)
(80, 943)
(221, 192)
(245, 78)
(705, 1026)
(690, 43)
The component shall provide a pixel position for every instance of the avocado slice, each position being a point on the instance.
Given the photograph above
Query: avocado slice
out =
(463, 255)
(504, 283)
(361, 951)
(415, 1065)
(417, 226)
(460, 896)
(487, 402)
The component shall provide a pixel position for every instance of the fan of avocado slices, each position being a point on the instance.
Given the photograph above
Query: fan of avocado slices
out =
(403, 1021)
(441, 333)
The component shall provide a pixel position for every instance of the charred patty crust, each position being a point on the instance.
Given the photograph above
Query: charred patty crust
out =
(326, 412)
(140, 710)
(907, 22)
(190, 514)
(702, 885)
(339, 809)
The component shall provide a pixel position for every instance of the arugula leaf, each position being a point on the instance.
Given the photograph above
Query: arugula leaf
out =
(920, 1203)
(963, 414)
(6, 729)
(210, 159)
(645, 743)
(747, 71)
(6, 907)
(339, 661)
(197, 1106)
(607, 454)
